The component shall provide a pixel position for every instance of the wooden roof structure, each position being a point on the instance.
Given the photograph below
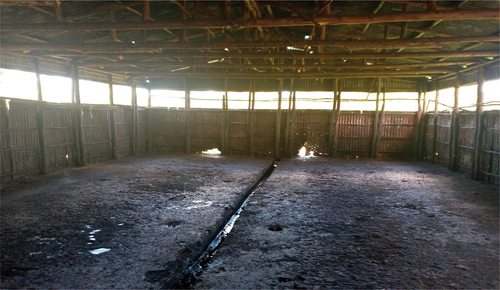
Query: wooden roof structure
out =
(407, 41)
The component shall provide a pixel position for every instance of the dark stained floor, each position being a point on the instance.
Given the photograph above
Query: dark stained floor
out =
(134, 223)
(360, 224)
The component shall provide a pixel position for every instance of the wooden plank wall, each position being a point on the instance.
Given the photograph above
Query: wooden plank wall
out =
(490, 143)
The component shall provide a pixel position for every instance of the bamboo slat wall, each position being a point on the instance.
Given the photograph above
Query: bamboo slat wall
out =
(489, 166)
(25, 150)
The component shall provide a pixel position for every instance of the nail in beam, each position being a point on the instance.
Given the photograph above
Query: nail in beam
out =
(476, 166)
(112, 121)
(435, 130)
(40, 120)
(277, 149)
(452, 165)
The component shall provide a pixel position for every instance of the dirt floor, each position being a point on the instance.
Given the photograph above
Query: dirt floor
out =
(330, 223)
(130, 223)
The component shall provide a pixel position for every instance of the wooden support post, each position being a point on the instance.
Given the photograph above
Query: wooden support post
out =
(423, 124)
(380, 126)
(187, 100)
(292, 124)
(249, 126)
(476, 167)
(223, 120)
(9, 141)
(78, 129)
(331, 126)
(337, 119)
(150, 123)
(435, 133)
(40, 120)
(112, 121)
(252, 120)
(277, 147)
(375, 119)
(453, 161)
(134, 118)
(288, 118)
(418, 121)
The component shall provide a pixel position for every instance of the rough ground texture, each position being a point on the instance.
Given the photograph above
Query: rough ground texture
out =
(323, 223)
(153, 213)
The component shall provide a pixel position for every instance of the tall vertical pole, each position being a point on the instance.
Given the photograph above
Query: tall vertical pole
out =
(424, 123)
(331, 126)
(187, 106)
(252, 119)
(78, 118)
(40, 120)
(375, 119)
(337, 119)
(277, 147)
(223, 120)
(452, 165)
(292, 123)
(476, 167)
(150, 121)
(112, 121)
(380, 126)
(287, 126)
(134, 117)
(435, 131)
(418, 121)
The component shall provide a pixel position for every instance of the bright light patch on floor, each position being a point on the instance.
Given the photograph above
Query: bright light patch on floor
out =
(303, 152)
(214, 151)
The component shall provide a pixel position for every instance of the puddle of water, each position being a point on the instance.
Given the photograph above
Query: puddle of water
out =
(99, 251)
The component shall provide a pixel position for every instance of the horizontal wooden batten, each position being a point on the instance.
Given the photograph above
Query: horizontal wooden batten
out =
(196, 54)
(312, 75)
(277, 66)
(351, 44)
(261, 22)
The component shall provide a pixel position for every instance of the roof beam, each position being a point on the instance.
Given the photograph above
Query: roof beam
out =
(344, 74)
(352, 44)
(448, 54)
(262, 22)
(265, 65)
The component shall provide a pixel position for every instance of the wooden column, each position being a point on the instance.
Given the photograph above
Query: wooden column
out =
(223, 120)
(187, 106)
(337, 119)
(375, 119)
(249, 126)
(418, 121)
(423, 124)
(40, 120)
(112, 121)
(288, 118)
(453, 161)
(78, 129)
(380, 126)
(292, 123)
(476, 166)
(9, 142)
(436, 115)
(331, 126)
(135, 122)
(150, 122)
(252, 120)
(277, 147)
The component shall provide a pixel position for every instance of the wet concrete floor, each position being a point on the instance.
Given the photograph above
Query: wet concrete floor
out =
(359, 224)
(133, 223)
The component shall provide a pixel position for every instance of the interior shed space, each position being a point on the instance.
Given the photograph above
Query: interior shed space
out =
(249, 144)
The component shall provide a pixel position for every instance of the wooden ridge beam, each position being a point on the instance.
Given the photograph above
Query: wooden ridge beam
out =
(448, 54)
(462, 14)
(311, 75)
(352, 44)
(165, 64)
